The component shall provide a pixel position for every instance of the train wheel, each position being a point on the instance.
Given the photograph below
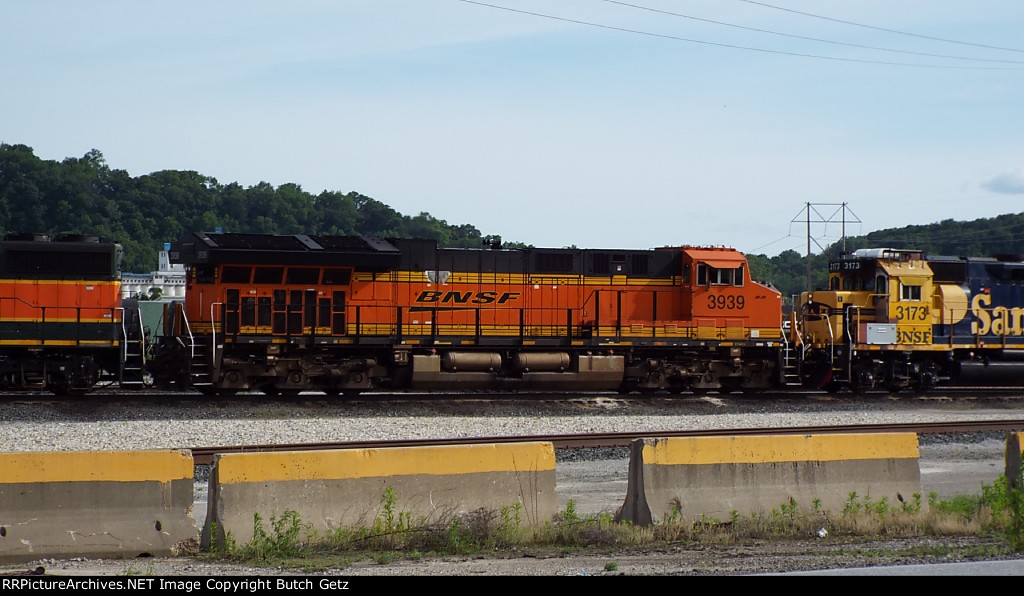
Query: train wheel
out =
(926, 378)
(65, 391)
(726, 387)
(862, 378)
(816, 370)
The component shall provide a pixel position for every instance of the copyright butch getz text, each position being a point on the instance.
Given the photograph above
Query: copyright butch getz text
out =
(226, 586)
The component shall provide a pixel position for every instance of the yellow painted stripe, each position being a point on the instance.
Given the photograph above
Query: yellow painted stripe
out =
(55, 342)
(95, 466)
(780, 448)
(107, 320)
(61, 282)
(347, 464)
(468, 277)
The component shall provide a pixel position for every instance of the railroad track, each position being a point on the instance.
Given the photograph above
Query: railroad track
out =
(144, 396)
(205, 455)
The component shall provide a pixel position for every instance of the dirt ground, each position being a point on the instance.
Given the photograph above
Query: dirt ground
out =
(752, 557)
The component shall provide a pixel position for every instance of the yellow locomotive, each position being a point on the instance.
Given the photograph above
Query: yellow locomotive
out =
(896, 319)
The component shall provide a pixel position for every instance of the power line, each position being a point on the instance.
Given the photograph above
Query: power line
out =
(983, 236)
(732, 46)
(815, 39)
(816, 16)
(974, 236)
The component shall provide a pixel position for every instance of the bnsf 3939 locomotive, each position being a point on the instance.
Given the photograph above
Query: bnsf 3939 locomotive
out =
(282, 314)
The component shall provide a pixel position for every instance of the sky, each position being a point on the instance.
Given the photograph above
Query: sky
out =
(588, 123)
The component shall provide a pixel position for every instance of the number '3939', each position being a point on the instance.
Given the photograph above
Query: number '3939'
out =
(723, 301)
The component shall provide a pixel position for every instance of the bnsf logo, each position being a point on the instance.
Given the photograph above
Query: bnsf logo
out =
(913, 337)
(467, 297)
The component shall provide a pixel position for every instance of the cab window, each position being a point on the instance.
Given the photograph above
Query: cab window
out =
(910, 293)
(708, 275)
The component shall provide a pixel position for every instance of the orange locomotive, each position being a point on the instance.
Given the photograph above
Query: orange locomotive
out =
(63, 326)
(288, 313)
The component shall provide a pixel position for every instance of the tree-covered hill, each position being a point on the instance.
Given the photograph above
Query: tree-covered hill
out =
(84, 195)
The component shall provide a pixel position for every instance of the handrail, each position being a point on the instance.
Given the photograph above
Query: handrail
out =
(188, 328)
(785, 352)
(124, 334)
(213, 332)
(831, 341)
(96, 312)
(849, 336)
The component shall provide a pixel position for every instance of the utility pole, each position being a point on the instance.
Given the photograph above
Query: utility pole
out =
(809, 288)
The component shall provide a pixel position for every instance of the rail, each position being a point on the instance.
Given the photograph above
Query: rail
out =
(206, 455)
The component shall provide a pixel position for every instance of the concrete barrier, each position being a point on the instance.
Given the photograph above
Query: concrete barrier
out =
(714, 476)
(96, 504)
(346, 488)
(1014, 446)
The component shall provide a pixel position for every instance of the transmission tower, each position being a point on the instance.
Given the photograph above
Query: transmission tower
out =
(812, 215)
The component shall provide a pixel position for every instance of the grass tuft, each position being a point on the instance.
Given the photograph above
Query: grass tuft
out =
(997, 512)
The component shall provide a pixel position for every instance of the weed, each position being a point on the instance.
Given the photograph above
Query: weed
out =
(393, 533)
(283, 540)
(569, 515)
(130, 570)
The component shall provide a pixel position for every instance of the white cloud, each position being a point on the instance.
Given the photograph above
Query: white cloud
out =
(1010, 182)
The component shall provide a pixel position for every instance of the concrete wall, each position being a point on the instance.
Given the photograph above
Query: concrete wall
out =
(714, 476)
(125, 504)
(346, 488)
(1014, 446)
(96, 504)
